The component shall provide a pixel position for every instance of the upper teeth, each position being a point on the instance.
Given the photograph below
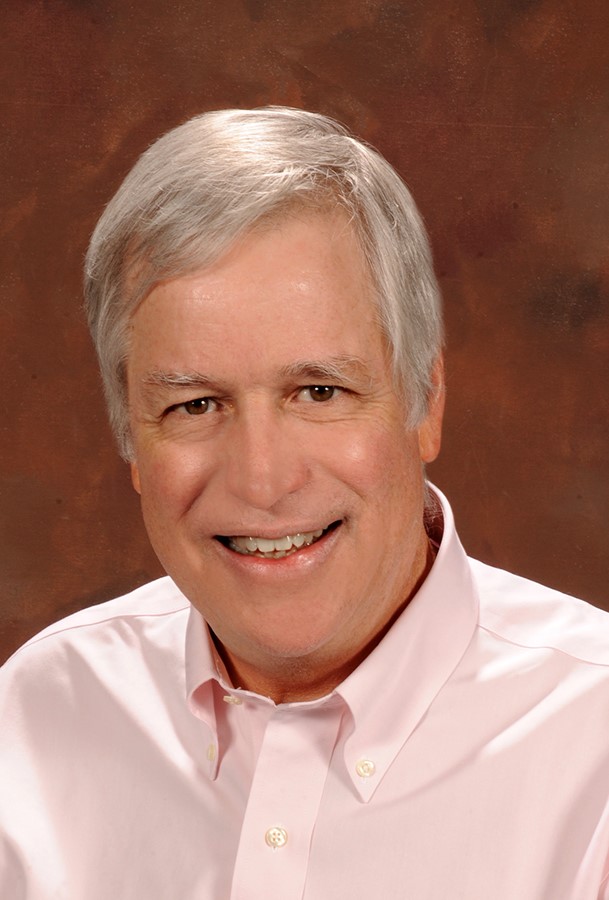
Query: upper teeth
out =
(280, 545)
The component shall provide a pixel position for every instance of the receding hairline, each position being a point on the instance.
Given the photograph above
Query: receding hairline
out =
(325, 203)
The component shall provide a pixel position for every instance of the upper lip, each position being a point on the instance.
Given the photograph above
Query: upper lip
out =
(277, 532)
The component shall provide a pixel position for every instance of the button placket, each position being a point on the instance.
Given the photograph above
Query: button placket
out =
(283, 802)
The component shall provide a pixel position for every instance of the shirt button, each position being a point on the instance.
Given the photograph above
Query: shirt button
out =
(365, 768)
(228, 698)
(276, 837)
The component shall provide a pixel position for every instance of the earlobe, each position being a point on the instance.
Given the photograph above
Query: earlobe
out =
(430, 430)
(135, 477)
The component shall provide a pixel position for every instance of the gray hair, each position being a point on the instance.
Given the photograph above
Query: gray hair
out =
(204, 184)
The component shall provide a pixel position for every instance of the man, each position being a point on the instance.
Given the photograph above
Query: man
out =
(325, 697)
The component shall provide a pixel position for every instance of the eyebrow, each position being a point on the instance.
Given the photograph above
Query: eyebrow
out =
(158, 378)
(167, 381)
(349, 370)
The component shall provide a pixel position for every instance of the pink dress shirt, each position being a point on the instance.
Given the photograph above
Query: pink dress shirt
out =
(467, 757)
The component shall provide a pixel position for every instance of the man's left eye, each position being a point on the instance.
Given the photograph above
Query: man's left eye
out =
(320, 392)
(198, 407)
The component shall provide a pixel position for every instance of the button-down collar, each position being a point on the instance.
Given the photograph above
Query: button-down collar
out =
(392, 689)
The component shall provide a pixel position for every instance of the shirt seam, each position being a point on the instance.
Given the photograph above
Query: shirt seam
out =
(542, 646)
(40, 638)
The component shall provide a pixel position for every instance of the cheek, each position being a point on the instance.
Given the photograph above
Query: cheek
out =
(170, 479)
(376, 462)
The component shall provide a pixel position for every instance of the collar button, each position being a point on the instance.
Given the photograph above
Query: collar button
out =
(365, 768)
(230, 698)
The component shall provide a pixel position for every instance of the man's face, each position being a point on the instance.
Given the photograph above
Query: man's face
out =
(280, 486)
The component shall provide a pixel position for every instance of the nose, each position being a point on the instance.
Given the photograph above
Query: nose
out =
(265, 458)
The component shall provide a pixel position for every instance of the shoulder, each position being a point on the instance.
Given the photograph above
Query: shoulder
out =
(152, 609)
(105, 664)
(532, 615)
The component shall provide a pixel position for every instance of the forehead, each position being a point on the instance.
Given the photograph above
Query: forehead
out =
(298, 287)
(143, 274)
(301, 246)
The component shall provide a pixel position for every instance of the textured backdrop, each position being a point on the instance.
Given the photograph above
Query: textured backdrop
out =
(496, 112)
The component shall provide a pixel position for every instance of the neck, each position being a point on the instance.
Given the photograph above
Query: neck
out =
(292, 681)
(308, 677)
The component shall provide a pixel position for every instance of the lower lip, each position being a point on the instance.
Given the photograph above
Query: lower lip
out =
(293, 563)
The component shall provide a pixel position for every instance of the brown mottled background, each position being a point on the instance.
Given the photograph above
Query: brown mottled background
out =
(497, 114)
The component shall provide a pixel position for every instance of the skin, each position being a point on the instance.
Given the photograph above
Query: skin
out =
(242, 447)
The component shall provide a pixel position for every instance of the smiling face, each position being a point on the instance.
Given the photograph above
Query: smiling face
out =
(280, 486)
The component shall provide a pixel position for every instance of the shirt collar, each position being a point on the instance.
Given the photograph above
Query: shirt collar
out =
(393, 687)
(390, 691)
(204, 669)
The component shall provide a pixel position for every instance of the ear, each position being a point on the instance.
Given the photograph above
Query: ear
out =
(430, 429)
(135, 477)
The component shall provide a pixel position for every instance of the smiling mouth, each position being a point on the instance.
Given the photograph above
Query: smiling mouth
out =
(275, 548)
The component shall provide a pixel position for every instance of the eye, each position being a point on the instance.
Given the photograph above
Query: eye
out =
(197, 407)
(320, 392)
